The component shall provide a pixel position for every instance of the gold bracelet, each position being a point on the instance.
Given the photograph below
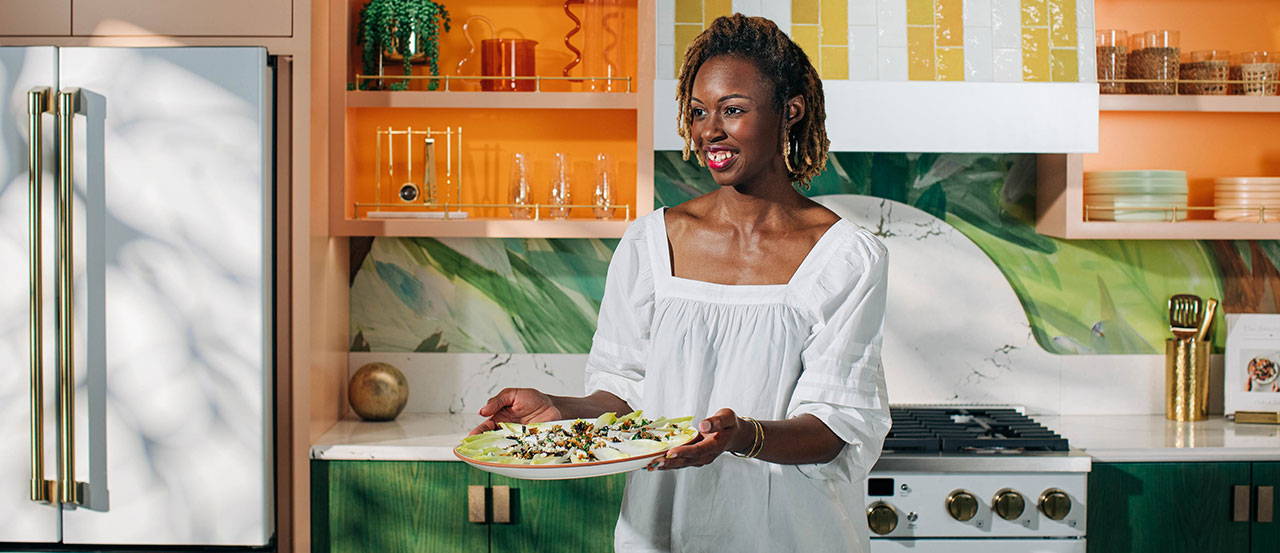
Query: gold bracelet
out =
(757, 443)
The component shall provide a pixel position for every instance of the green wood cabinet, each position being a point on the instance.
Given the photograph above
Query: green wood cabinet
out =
(564, 516)
(1266, 535)
(1177, 507)
(394, 507)
(422, 507)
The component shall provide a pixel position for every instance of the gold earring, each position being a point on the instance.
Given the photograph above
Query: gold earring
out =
(786, 150)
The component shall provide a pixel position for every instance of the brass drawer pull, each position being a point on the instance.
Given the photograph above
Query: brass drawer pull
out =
(475, 504)
(1240, 507)
(1266, 503)
(502, 504)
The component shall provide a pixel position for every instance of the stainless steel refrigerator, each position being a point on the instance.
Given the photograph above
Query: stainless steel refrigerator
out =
(136, 281)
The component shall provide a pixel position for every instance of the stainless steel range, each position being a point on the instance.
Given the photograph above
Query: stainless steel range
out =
(961, 479)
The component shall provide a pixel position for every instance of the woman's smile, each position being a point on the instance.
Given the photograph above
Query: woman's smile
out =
(719, 158)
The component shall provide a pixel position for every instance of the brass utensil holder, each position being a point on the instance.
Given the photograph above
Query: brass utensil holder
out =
(1186, 379)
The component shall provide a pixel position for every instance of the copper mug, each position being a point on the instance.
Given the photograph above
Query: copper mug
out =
(502, 57)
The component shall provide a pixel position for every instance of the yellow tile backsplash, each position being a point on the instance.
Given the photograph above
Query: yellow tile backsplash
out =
(835, 63)
(1033, 13)
(803, 11)
(1053, 37)
(1064, 65)
(950, 64)
(1035, 54)
(689, 11)
(919, 12)
(948, 19)
(920, 54)
(711, 9)
(1062, 23)
(835, 25)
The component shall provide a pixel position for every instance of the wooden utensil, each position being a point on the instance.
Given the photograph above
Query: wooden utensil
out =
(1184, 315)
(1206, 321)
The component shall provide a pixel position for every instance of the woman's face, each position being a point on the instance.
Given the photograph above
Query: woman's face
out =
(736, 129)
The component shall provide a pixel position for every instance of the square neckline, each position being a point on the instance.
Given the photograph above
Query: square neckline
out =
(668, 271)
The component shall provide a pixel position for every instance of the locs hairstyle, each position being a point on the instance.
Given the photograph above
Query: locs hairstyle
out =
(784, 65)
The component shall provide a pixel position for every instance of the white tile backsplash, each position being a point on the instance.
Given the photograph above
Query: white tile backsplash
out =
(891, 18)
(977, 13)
(862, 53)
(749, 7)
(1087, 54)
(666, 24)
(1006, 23)
(1007, 65)
(892, 63)
(979, 57)
(665, 64)
(862, 12)
(778, 11)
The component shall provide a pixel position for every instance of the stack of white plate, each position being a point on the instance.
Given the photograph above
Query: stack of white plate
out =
(1249, 196)
(1135, 195)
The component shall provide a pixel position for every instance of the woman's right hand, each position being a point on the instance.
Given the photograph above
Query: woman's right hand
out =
(519, 405)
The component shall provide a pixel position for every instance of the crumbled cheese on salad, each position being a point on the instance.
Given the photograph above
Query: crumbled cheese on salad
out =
(607, 438)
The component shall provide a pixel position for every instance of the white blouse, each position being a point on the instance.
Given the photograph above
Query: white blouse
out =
(677, 347)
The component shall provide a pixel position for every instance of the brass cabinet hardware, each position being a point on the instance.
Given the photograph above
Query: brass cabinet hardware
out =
(1009, 504)
(962, 505)
(882, 518)
(475, 504)
(69, 103)
(1240, 504)
(1055, 504)
(502, 504)
(37, 105)
(1266, 504)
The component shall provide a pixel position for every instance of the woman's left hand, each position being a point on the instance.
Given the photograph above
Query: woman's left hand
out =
(717, 434)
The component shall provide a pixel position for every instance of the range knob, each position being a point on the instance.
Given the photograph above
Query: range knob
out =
(962, 505)
(1055, 504)
(1009, 504)
(882, 518)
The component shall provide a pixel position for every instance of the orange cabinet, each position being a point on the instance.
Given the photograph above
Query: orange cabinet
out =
(35, 17)
(182, 18)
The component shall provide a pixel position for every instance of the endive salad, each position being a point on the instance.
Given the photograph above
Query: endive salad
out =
(607, 438)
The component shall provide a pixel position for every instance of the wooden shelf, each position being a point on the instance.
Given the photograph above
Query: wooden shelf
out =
(1182, 230)
(1228, 104)
(490, 100)
(1060, 212)
(481, 227)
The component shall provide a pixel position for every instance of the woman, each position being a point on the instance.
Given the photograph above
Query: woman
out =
(751, 306)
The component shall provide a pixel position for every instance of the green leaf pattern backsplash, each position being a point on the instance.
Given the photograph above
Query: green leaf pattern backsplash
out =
(542, 295)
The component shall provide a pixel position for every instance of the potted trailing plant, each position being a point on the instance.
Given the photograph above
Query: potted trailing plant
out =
(404, 29)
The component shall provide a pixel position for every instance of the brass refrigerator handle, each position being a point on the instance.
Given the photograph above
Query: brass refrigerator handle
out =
(1240, 504)
(69, 103)
(42, 490)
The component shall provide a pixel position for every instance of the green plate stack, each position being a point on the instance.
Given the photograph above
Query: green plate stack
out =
(1135, 196)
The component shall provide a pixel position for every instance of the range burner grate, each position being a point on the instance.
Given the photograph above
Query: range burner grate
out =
(959, 430)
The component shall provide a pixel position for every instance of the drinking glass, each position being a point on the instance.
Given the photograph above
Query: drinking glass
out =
(520, 193)
(603, 197)
(560, 188)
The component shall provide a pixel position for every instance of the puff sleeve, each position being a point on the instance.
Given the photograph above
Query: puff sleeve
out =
(842, 380)
(621, 342)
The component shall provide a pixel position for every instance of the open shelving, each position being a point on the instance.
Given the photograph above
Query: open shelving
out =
(1060, 212)
(1219, 104)
(561, 116)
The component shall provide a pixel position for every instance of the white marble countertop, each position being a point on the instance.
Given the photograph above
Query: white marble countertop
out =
(411, 437)
(1110, 438)
(1152, 438)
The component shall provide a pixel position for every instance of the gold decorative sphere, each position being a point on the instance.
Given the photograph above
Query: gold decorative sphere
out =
(378, 392)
